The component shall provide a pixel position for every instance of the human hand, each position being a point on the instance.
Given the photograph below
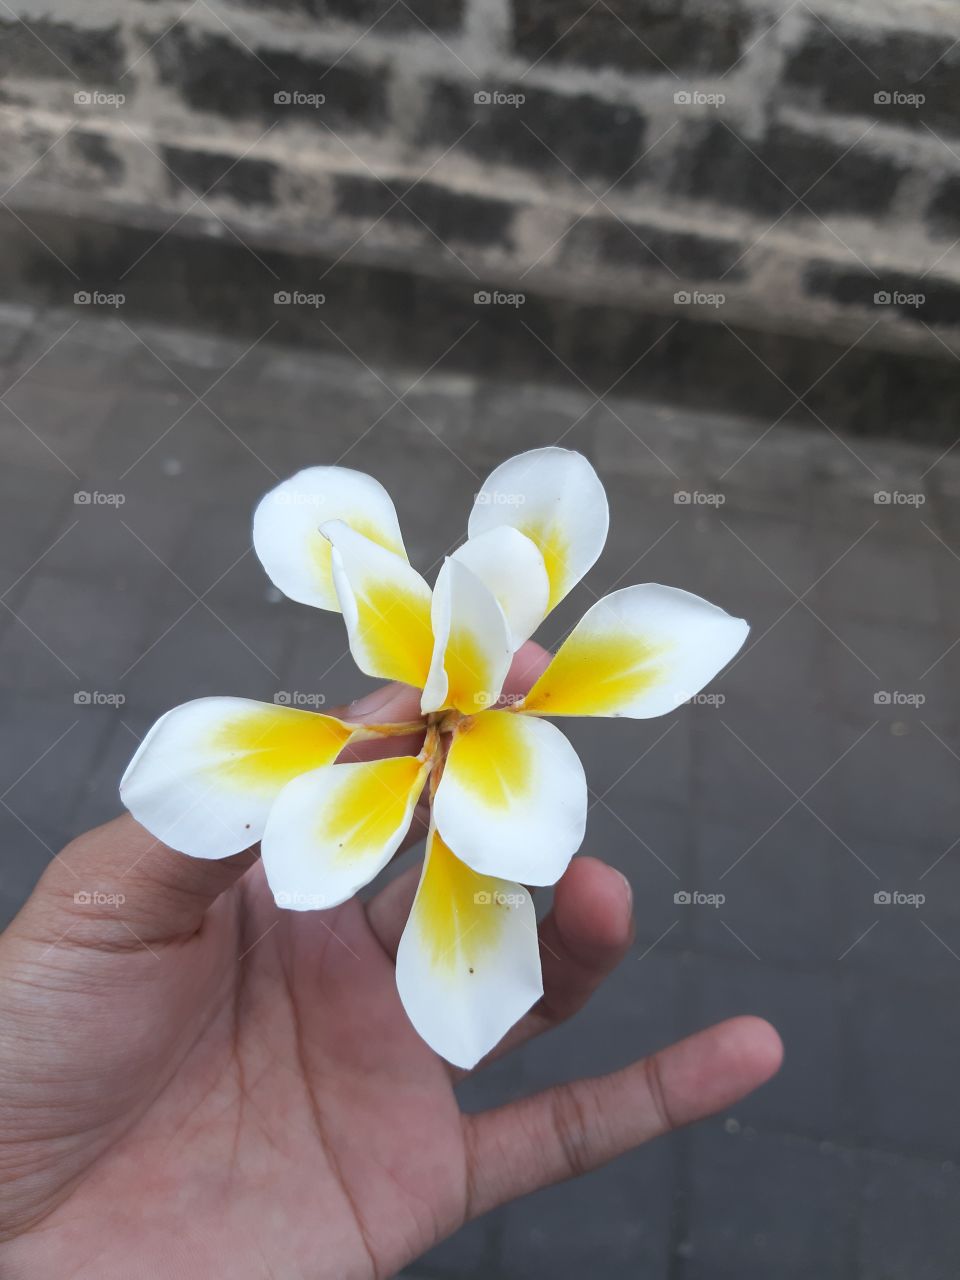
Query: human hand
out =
(206, 1085)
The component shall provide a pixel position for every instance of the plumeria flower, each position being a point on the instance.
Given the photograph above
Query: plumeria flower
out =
(508, 795)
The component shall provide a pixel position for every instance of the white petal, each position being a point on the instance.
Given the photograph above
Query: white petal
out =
(555, 497)
(286, 528)
(386, 606)
(512, 800)
(331, 831)
(638, 652)
(205, 776)
(468, 965)
(511, 567)
(472, 649)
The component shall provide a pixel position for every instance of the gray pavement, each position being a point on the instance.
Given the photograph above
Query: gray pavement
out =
(827, 775)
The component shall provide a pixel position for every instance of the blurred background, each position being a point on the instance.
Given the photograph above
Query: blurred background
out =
(713, 246)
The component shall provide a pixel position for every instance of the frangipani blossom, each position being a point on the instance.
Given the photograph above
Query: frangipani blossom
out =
(508, 794)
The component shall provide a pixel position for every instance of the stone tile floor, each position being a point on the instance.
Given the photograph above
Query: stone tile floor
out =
(822, 775)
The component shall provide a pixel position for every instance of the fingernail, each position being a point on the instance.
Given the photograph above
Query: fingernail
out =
(629, 888)
(372, 703)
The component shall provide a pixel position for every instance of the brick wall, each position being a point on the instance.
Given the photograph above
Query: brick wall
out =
(775, 164)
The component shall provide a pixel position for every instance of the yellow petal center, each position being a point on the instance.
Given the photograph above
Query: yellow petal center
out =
(367, 809)
(321, 553)
(594, 675)
(459, 913)
(554, 548)
(395, 624)
(468, 672)
(491, 758)
(267, 746)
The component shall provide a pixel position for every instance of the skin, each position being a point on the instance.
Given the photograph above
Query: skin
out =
(194, 1083)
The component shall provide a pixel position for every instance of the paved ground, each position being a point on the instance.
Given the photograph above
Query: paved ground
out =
(821, 780)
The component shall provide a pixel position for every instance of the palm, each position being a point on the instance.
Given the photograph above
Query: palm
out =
(210, 1086)
(291, 1072)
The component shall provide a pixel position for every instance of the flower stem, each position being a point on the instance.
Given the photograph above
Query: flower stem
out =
(368, 732)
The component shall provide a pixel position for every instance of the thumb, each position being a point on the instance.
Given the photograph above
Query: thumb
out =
(118, 886)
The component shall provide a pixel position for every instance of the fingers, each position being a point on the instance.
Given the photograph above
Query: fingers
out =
(390, 704)
(118, 886)
(397, 703)
(388, 910)
(529, 663)
(573, 1128)
(582, 940)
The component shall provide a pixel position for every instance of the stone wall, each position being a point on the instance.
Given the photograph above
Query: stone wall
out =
(790, 167)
